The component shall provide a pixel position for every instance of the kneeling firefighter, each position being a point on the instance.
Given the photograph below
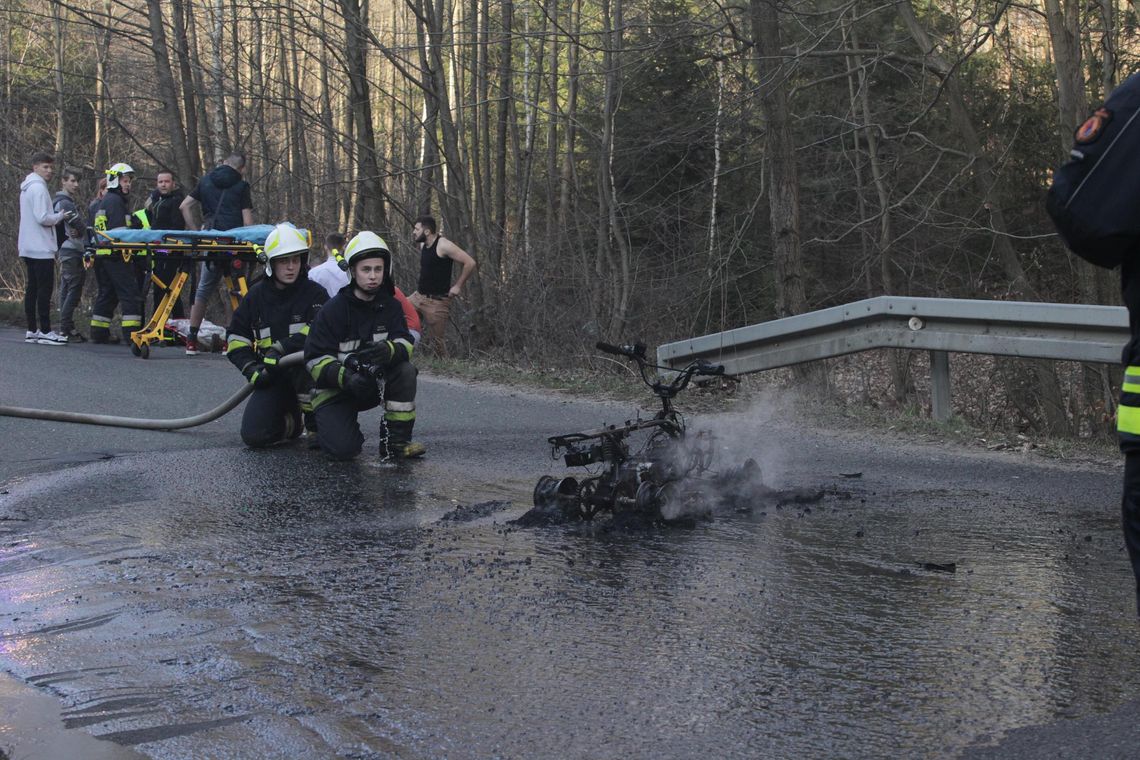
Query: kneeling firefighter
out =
(270, 322)
(358, 348)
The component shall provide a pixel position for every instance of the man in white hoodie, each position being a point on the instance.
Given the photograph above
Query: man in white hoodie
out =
(37, 246)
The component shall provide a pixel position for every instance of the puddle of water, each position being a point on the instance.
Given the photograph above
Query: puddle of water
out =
(338, 611)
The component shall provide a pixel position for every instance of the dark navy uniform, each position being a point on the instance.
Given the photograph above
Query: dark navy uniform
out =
(271, 322)
(349, 325)
(117, 278)
(1128, 421)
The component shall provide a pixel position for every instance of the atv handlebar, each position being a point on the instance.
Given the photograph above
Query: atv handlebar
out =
(637, 350)
(659, 387)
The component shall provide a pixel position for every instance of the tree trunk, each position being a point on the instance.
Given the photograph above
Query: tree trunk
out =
(168, 93)
(208, 150)
(494, 251)
(327, 206)
(101, 105)
(61, 145)
(370, 212)
(784, 190)
(189, 94)
(429, 140)
(1064, 33)
(551, 124)
(568, 178)
(218, 125)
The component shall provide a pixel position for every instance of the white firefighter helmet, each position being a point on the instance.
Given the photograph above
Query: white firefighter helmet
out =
(284, 240)
(116, 171)
(366, 245)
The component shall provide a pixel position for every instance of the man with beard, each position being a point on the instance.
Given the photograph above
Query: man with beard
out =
(434, 290)
(163, 210)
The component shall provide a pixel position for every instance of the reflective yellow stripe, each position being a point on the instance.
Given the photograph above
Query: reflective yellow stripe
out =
(99, 323)
(322, 396)
(1128, 419)
(315, 368)
(1131, 380)
(132, 323)
(264, 342)
(400, 416)
(141, 216)
(233, 341)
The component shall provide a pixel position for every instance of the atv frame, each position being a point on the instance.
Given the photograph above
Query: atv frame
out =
(648, 466)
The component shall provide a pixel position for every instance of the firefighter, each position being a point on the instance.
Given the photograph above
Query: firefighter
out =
(117, 277)
(272, 321)
(1128, 421)
(360, 346)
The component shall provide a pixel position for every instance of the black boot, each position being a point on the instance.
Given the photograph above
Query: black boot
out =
(396, 440)
(293, 426)
(311, 430)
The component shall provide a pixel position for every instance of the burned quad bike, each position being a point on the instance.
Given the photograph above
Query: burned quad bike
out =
(647, 466)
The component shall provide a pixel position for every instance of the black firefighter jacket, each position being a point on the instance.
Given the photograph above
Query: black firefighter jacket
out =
(272, 317)
(347, 324)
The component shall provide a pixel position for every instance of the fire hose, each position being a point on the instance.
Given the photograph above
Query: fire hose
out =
(141, 423)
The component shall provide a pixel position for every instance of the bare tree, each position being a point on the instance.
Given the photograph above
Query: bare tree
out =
(172, 114)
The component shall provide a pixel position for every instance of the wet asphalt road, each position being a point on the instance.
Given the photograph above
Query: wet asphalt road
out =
(179, 596)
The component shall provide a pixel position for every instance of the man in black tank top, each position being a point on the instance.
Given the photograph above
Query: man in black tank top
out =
(434, 289)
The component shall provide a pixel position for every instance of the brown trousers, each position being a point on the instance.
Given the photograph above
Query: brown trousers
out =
(433, 312)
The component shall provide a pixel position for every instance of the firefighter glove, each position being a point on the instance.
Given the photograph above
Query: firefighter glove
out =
(361, 387)
(258, 374)
(379, 354)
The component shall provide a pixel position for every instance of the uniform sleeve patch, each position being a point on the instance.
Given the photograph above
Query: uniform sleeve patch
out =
(1093, 127)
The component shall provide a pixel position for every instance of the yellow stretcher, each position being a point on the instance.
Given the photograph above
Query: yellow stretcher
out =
(237, 250)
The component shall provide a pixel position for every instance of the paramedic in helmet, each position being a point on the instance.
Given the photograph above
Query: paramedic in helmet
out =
(358, 347)
(272, 321)
(118, 279)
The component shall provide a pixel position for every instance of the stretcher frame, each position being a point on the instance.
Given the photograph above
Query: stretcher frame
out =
(181, 247)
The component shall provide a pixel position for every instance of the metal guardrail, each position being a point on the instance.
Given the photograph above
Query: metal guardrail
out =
(1070, 332)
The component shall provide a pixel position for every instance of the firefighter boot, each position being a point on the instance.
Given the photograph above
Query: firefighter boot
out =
(311, 430)
(293, 427)
(101, 332)
(396, 440)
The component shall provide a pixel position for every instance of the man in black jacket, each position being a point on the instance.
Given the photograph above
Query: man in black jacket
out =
(359, 344)
(164, 212)
(272, 321)
(226, 202)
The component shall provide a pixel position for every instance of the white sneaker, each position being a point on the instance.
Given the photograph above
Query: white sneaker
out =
(52, 339)
(33, 336)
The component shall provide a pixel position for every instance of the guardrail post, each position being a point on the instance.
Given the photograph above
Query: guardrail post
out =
(940, 408)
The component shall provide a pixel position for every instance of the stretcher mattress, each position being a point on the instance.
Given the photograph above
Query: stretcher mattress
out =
(255, 233)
